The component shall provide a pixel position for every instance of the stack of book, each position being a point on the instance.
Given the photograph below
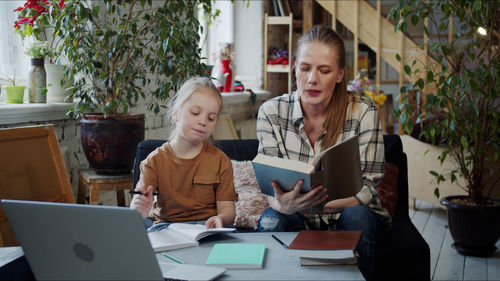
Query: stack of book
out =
(325, 247)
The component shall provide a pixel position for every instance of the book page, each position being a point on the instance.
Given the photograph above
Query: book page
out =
(166, 239)
(196, 232)
(284, 163)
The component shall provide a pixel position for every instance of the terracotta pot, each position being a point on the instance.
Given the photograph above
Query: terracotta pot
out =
(110, 143)
(475, 229)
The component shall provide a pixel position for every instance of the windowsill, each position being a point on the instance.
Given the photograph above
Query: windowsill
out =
(15, 113)
(240, 97)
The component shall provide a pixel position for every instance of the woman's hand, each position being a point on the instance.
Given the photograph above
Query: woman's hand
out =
(293, 201)
(338, 205)
(143, 202)
(214, 222)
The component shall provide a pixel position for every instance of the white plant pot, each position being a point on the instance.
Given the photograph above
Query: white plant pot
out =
(56, 92)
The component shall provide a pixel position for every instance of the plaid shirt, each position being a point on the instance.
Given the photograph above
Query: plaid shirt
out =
(280, 130)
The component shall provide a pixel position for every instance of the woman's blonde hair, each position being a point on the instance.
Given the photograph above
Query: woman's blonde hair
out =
(184, 93)
(337, 107)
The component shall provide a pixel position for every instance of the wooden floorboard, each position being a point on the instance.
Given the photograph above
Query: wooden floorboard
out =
(493, 263)
(450, 265)
(446, 263)
(434, 233)
(422, 214)
(475, 268)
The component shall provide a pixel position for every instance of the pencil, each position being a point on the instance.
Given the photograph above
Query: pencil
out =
(140, 193)
(173, 258)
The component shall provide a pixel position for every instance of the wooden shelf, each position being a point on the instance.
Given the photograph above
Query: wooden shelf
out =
(288, 23)
(278, 68)
(279, 20)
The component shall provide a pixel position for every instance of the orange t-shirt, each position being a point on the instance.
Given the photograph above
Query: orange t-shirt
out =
(187, 188)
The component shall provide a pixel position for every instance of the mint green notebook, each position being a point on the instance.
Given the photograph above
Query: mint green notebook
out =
(237, 255)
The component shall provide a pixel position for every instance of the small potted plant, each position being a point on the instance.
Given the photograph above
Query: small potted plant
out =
(14, 91)
(37, 19)
(37, 77)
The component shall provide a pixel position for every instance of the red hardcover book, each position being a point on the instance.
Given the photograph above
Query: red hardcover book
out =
(325, 244)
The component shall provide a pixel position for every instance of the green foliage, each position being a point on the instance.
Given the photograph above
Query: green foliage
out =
(39, 50)
(37, 19)
(463, 107)
(121, 51)
(8, 80)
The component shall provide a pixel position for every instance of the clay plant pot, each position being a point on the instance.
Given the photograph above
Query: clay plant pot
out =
(110, 142)
(475, 229)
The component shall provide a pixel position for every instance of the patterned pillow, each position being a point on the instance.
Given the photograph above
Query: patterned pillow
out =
(388, 188)
(251, 202)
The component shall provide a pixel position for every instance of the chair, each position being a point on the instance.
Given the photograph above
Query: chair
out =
(401, 254)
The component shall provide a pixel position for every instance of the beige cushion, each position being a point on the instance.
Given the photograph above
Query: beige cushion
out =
(251, 202)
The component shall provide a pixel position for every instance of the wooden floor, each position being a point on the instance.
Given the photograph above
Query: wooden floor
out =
(446, 262)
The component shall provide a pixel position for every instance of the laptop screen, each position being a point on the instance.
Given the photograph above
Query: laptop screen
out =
(82, 242)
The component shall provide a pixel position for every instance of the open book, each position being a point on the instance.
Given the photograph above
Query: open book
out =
(181, 235)
(337, 168)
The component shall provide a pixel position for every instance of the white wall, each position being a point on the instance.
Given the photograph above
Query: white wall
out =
(248, 36)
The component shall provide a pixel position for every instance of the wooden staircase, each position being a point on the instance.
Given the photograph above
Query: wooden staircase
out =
(368, 24)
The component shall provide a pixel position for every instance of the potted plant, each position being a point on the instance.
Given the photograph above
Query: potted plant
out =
(37, 19)
(37, 76)
(122, 52)
(14, 91)
(461, 112)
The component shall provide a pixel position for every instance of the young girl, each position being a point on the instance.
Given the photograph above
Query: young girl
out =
(194, 180)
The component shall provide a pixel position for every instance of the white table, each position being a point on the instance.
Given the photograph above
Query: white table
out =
(278, 265)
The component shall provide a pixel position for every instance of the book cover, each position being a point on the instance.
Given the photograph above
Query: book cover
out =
(322, 244)
(316, 261)
(181, 235)
(172, 271)
(237, 255)
(337, 168)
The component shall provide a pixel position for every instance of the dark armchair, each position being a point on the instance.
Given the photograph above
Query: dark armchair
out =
(402, 253)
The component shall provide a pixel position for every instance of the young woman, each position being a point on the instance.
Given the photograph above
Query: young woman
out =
(194, 179)
(319, 114)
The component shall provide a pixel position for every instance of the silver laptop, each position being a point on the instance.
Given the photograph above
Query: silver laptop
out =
(83, 242)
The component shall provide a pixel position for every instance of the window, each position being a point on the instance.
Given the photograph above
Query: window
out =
(12, 57)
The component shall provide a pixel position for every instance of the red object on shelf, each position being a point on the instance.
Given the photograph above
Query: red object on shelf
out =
(228, 73)
(283, 60)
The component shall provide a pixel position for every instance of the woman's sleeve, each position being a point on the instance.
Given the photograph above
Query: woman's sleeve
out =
(268, 143)
(371, 149)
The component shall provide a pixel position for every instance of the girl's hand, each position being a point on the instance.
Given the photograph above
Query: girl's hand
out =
(293, 201)
(214, 222)
(143, 202)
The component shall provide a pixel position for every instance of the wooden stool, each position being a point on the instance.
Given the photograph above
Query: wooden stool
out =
(95, 182)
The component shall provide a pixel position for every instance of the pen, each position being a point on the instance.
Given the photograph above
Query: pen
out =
(172, 258)
(140, 193)
(279, 241)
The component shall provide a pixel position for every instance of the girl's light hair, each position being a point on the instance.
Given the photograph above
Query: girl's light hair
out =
(192, 85)
(337, 107)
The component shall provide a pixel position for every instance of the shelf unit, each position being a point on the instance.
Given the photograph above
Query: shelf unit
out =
(286, 22)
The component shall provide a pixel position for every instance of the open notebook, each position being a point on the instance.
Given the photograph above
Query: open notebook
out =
(181, 235)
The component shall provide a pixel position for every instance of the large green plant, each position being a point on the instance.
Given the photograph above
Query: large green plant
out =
(463, 107)
(120, 51)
